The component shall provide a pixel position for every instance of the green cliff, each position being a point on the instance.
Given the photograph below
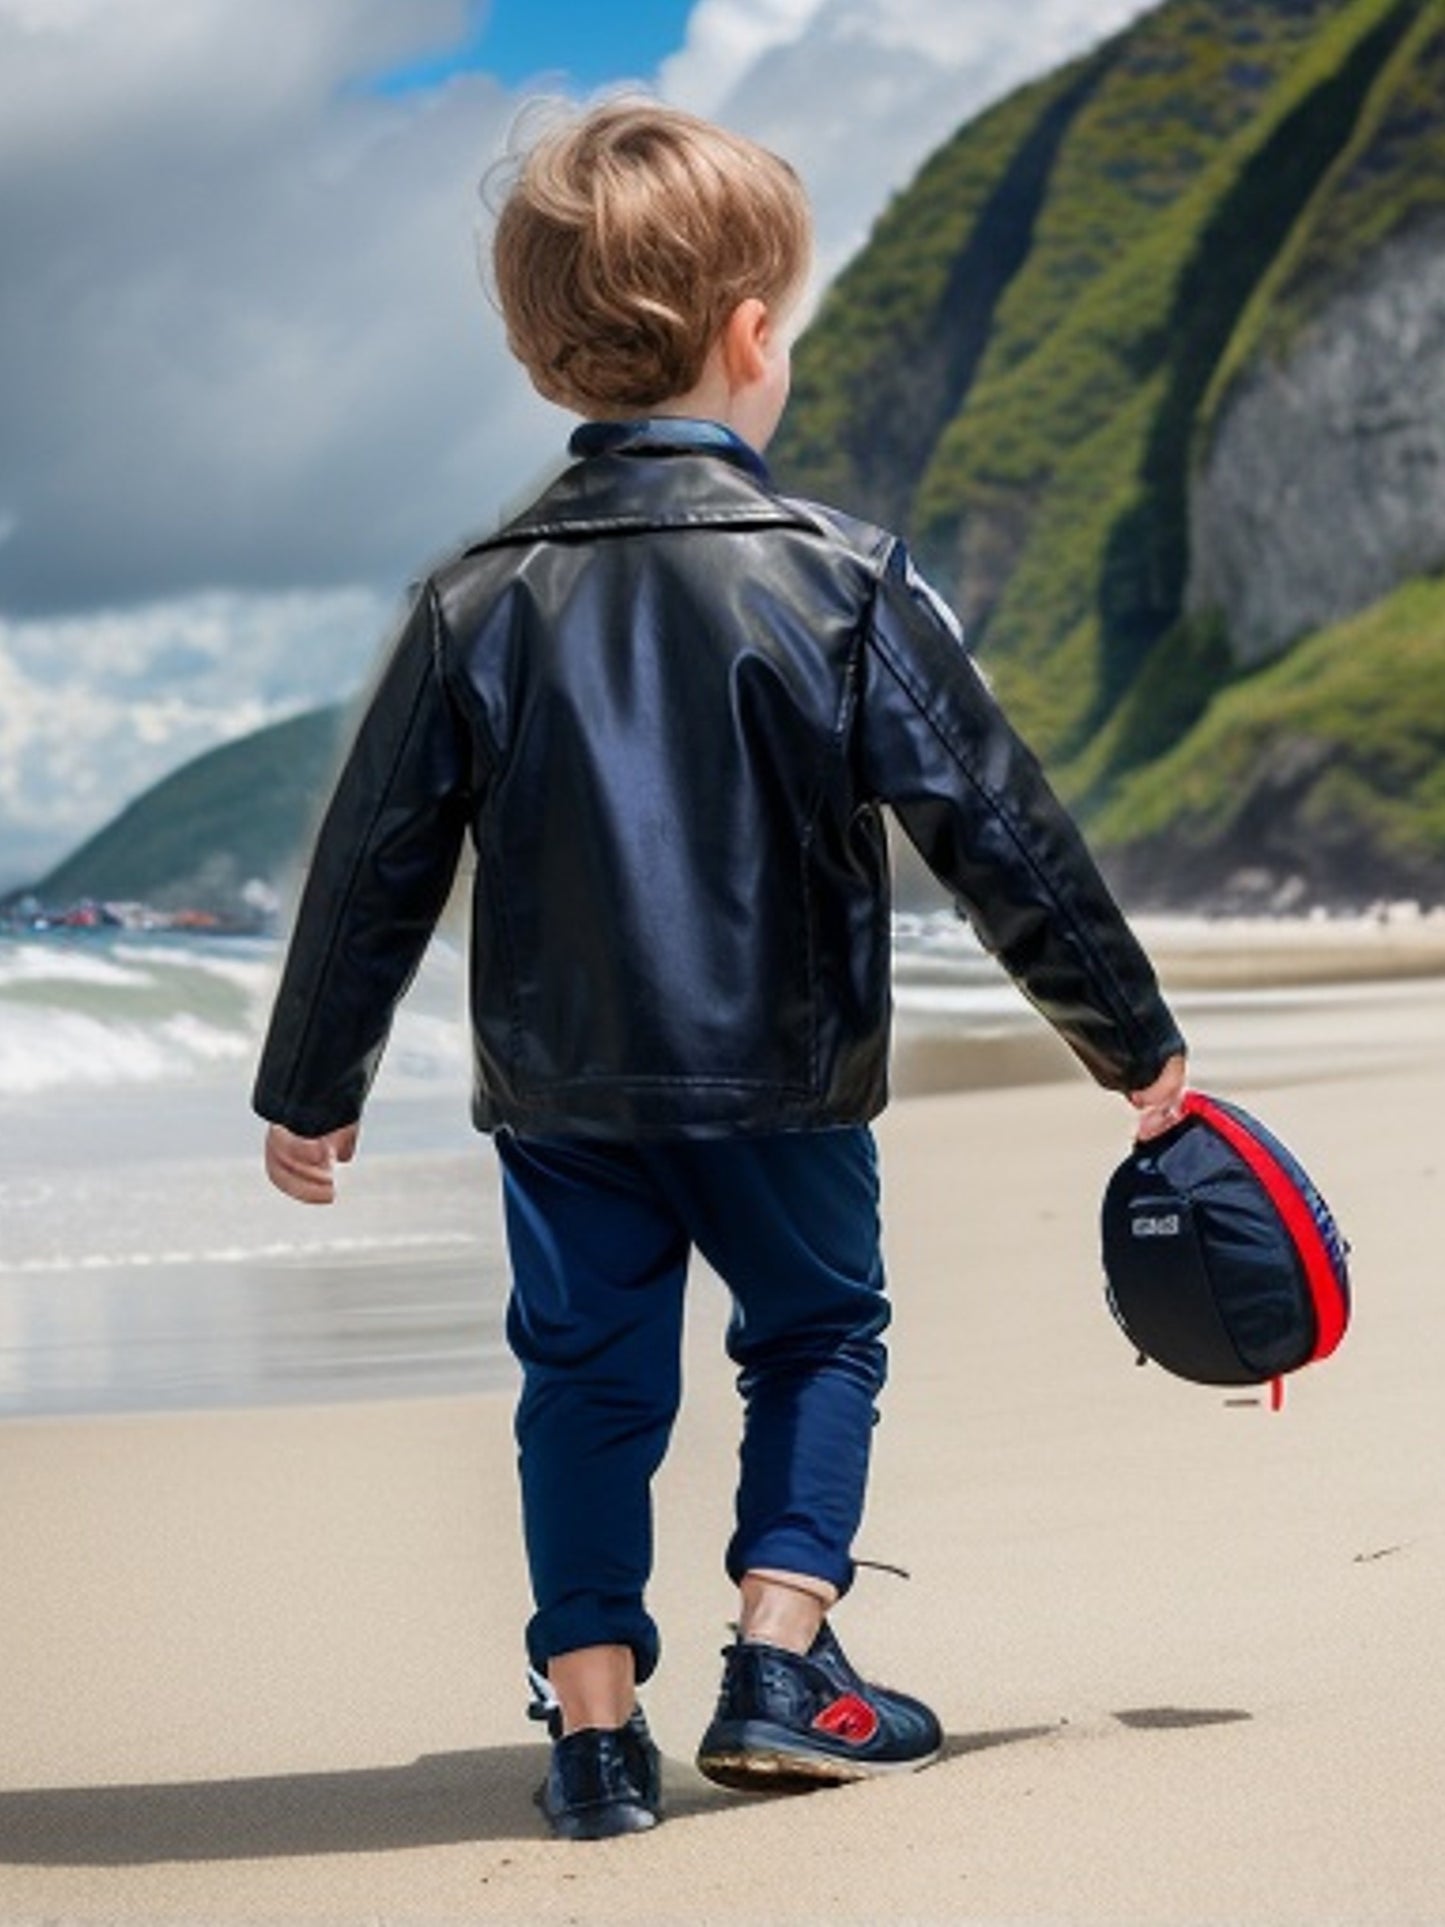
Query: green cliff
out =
(240, 813)
(1164, 217)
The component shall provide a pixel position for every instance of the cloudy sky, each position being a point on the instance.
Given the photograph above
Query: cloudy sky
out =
(249, 383)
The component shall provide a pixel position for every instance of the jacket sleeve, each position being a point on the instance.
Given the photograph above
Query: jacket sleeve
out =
(379, 877)
(973, 800)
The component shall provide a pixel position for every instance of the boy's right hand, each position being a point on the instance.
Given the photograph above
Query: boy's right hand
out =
(303, 1167)
(1158, 1107)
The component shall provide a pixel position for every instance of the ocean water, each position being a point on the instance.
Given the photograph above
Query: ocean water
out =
(146, 1264)
(102, 1011)
(144, 1261)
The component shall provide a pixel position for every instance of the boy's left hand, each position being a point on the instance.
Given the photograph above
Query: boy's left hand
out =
(1158, 1106)
(303, 1167)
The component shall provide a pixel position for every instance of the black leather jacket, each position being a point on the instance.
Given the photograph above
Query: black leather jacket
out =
(667, 703)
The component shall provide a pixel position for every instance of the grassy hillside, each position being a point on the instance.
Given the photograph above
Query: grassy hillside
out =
(1390, 176)
(1130, 155)
(1195, 190)
(241, 811)
(1082, 446)
(899, 337)
(1328, 763)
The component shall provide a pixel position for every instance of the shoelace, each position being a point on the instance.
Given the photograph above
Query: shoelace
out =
(545, 1705)
(883, 1565)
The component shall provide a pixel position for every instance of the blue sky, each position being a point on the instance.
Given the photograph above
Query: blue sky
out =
(520, 40)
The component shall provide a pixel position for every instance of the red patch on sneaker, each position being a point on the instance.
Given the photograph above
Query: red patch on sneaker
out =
(850, 1719)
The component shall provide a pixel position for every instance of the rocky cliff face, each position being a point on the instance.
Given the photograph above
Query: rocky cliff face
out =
(1324, 481)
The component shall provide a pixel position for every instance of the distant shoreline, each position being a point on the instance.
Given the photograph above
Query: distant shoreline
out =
(1227, 953)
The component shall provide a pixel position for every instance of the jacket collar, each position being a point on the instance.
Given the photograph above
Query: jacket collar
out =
(610, 492)
(668, 435)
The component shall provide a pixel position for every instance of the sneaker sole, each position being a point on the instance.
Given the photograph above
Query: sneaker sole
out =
(602, 1822)
(609, 1824)
(756, 1757)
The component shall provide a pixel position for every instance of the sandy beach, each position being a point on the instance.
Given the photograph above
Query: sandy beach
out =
(264, 1665)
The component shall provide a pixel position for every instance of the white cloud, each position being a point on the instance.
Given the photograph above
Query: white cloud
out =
(725, 38)
(301, 646)
(245, 300)
(212, 66)
(984, 34)
(860, 92)
(48, 16)
(93, 709)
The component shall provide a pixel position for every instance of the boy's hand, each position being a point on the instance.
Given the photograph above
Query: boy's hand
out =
(302, 1167)
(1158, 1106)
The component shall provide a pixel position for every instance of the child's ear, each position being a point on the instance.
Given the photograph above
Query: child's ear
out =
(746, 336)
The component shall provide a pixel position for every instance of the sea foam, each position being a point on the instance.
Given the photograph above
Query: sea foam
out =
(67, 1049)
(88, 1013)
(97, 1009)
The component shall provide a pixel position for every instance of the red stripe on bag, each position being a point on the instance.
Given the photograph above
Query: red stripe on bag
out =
(1324, 1286)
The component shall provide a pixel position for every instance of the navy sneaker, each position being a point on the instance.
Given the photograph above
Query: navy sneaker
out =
(787, 1720)
(602, 1780)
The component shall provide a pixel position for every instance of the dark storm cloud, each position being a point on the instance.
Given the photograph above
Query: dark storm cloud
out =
(243, 304)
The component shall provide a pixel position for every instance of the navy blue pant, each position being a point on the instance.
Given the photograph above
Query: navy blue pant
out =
(600, 1234)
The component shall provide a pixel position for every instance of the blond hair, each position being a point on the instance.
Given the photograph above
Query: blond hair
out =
(627, 236)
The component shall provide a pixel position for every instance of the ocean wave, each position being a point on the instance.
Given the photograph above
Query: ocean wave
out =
(250, 964)
(270, 1252)
(96, 1009)
(67, 1049)
(972, 1004)
(33, 964)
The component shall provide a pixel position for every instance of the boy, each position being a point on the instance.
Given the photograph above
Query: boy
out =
(666, 703)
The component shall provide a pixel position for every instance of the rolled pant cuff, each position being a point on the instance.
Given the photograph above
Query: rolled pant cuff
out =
(591, 1621)
(791, 1552)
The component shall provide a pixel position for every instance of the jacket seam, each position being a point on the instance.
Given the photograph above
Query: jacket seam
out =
(581, 527)
(837, 739)
(1124, 1015)
(516, 1003)
(644, 1081)
(360, 852)
(489, 862)
(453, 685)
(824, 522)
(806, 843)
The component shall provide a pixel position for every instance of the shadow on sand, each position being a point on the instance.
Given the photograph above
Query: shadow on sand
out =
(441, 1799)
